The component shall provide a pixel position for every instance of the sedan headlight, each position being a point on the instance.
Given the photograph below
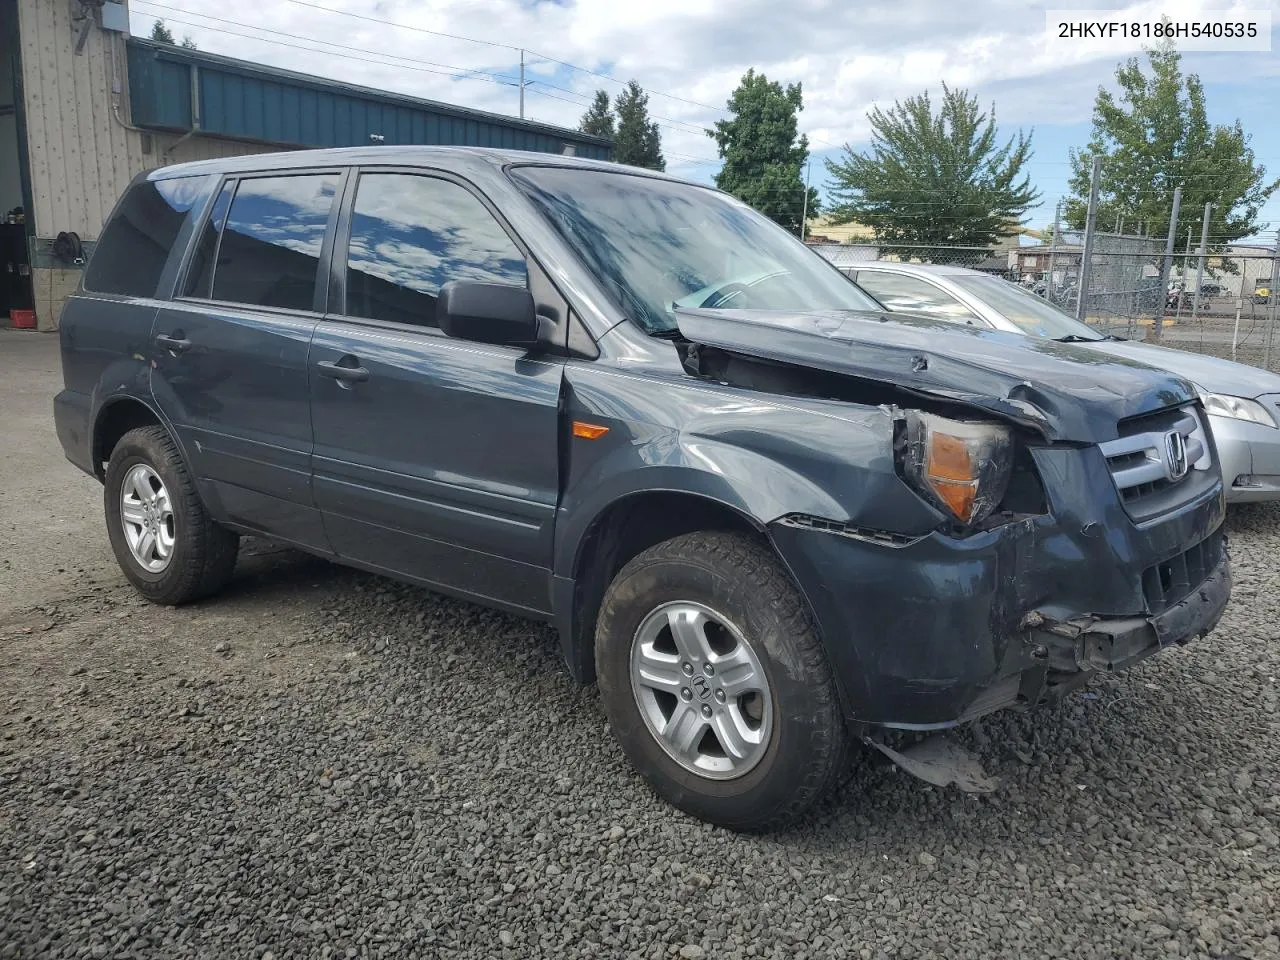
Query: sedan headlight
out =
(962, 467)
(1238, 408)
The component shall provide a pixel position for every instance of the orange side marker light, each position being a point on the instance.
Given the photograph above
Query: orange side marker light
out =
(588, 431)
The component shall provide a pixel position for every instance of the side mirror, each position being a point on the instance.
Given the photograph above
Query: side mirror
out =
(487, 313)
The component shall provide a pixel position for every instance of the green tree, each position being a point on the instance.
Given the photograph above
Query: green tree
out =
(598, 120)
(1156, 136)
(764, 155)
(934, 178)
(637, 141)
(162, 34)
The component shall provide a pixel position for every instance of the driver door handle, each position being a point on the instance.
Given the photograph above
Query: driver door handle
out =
(337, 370)
(177, 343)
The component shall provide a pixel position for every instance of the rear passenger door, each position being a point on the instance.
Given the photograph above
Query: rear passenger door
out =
(435, 458)
(231, 349)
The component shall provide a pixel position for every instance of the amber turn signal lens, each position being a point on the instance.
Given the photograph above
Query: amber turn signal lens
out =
(959, 497)
(949, 458)
(588, 431)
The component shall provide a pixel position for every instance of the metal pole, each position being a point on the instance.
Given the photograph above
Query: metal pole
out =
(804, 210)
(1167, 267)
(1053, 250)
(522, 84)
(1182, 277)
(1204, 247)
(1271, 303)
(1086, 252)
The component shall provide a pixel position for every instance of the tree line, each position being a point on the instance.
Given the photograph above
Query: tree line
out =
(939, 172)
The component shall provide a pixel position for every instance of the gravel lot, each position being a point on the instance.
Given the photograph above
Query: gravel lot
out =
(322, 763)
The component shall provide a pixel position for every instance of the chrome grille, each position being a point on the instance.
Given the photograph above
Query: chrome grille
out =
(1159, 461)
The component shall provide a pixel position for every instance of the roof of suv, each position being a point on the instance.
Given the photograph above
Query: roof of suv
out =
(447, 157)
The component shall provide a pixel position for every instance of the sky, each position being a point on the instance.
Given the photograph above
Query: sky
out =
(690, 54)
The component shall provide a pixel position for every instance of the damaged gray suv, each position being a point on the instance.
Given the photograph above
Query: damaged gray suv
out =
(770, 519)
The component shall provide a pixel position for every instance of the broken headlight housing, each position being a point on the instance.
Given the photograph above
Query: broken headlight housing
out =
(962, 467)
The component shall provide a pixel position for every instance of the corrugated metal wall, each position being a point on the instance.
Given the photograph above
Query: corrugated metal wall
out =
(240, 99)
(81, 155)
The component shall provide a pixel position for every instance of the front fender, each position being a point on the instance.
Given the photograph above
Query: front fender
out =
(762, 456)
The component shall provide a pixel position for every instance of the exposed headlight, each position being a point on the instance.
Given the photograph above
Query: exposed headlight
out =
(1238, 408)
(962, 467)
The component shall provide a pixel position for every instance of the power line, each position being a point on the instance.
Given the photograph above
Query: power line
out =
(452, 71)
(493, 43)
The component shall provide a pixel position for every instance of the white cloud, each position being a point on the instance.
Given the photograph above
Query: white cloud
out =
(849, 56)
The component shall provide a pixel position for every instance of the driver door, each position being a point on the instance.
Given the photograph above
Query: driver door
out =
(435, 458)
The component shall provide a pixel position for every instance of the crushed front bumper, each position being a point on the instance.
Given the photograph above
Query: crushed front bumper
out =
(931, 632)
(1102, 644)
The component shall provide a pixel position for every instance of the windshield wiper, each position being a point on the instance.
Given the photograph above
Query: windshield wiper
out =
(1076, 338)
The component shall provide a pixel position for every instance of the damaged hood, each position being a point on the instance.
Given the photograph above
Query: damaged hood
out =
(1063, 390)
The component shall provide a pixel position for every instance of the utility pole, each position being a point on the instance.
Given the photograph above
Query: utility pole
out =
(1204, 247)
(804, 209)
(1271, 303)
(522, 84)
(1053, 249)
(1086, 253)
(1167, 267)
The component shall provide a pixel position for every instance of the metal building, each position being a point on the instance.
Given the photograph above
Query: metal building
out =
(84, 107)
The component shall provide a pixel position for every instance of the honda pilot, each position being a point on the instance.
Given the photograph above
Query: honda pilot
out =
(770, 519)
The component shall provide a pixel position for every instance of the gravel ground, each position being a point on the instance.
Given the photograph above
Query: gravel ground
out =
(322, 763)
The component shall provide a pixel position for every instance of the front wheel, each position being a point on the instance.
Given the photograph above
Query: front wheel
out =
(716, 683)
(166, 543)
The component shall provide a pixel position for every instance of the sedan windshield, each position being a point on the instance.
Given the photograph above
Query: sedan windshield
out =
(1028, 312)
(658, 245)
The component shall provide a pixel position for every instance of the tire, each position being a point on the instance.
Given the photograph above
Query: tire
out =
(190, 556)
(803, 745)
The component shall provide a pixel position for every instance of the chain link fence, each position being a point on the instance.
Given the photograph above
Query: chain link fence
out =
(1232, 314)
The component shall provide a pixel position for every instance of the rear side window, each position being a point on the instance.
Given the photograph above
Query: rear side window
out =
(410, 235)
(269, 250)
(199, 281)
(134, 246)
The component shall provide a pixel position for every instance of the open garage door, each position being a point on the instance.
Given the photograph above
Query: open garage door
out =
(15, 270)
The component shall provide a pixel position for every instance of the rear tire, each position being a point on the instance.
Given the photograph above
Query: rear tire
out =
(754, 761)
(166, 543)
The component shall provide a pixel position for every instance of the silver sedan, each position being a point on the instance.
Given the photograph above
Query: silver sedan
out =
(1243, 402)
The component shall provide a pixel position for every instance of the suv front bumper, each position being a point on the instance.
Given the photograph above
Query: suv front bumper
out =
(928, 633)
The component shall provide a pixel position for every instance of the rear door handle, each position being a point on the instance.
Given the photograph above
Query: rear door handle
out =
(337, 370)
(177, 343)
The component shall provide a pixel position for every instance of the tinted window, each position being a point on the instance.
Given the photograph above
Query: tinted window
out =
(132, 250)
(410, 236)
(270, 247)
(200, 272)
(913, 295)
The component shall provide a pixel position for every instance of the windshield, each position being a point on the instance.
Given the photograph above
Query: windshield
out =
(657, 245)
(1031, 314)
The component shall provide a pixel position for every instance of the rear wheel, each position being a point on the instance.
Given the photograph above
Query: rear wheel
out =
(166, 543)
(716, 684)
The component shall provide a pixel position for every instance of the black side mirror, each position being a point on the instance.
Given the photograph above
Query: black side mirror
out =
(487, 313)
